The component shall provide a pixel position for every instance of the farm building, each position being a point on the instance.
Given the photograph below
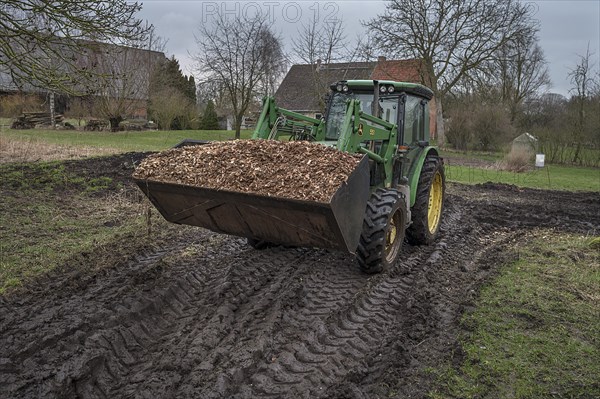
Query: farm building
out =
(99, 70)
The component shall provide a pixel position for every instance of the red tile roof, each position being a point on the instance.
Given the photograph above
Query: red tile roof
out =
(398, 70)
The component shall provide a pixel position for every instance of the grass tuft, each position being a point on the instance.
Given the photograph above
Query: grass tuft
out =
(518, 160)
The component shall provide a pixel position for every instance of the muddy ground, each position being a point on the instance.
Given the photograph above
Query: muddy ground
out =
(205, 316)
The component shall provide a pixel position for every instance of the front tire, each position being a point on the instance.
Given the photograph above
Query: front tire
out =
(383, 231)
(429, 203)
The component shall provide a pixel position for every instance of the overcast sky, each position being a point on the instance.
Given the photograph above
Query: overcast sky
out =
(566, 26)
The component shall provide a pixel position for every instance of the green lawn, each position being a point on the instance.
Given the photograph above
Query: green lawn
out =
(535, 330)
(125, 141)
(555, 177)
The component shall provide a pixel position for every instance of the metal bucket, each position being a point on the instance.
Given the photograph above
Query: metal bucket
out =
(336, 224)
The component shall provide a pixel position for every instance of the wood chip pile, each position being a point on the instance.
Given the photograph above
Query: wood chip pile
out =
(295, 169)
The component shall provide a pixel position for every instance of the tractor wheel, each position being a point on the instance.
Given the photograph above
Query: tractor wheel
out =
(383, 231)
(429, 204)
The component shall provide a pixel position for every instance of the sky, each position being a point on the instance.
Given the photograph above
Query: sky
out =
(566, 26)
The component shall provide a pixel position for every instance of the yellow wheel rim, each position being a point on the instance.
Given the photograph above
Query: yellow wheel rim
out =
(392, 245)
(435, 202)
(391, 235)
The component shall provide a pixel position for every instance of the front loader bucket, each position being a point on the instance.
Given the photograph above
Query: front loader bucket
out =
(337, 224)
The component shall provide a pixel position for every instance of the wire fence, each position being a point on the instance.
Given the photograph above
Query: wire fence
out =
(547, 177)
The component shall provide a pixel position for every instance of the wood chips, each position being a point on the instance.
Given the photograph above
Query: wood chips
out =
(295, 169)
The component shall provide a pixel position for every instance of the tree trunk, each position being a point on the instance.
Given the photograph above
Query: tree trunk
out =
(576, 159)
(114, 123)
(439, 122)
(237, 121)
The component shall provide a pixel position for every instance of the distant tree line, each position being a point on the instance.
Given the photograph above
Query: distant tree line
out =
(483, 62)
(481, 58)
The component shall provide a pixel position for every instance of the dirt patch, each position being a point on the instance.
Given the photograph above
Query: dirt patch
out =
(117, 167)
(203, 315)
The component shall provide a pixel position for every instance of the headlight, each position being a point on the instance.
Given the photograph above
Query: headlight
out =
(345, 88)
(382, 89)
(338, 87)
(391, 89)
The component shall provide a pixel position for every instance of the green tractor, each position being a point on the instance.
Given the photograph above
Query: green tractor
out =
(396, 192)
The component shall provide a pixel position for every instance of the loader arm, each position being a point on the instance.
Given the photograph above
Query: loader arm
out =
(275, 122)
(367, 134)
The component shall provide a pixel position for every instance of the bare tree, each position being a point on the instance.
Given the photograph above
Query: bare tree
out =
(238, 53)
(275, 63)
(586, 88)
(169, 103)
(40, 40)
(452, 38)
(121, 86)
(583, 77)
(517, 72)
(321, 41)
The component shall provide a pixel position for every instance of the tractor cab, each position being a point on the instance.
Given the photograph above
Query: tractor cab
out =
(401, 104)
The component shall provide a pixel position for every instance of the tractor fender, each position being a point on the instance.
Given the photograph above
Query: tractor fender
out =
(415, 170)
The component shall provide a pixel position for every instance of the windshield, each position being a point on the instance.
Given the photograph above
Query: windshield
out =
(388, 110)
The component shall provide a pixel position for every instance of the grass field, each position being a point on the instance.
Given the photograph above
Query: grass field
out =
(122, 141)
(535, 330)
(555, 177)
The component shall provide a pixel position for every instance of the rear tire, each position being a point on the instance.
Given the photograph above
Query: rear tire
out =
(428, 208)
(383, 231)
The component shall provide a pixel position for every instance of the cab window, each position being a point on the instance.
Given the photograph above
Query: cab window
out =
(414, 120)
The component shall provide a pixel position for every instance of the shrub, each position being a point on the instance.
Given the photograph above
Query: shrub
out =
(459, 129)
(491, 127)
(473, 125)
(210, 120)
(517, 160)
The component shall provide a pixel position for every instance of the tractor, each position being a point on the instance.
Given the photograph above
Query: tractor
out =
(395, 193)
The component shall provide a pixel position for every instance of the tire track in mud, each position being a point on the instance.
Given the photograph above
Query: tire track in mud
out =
(352, 337)
(96, 321)
(208, 317)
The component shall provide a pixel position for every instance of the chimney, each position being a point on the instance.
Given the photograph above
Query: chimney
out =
(381, 58)
(318, 65)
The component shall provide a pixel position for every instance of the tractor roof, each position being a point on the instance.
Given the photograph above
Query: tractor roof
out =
(412, 88)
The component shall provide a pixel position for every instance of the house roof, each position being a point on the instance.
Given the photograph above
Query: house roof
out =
(525, 138)
(305, 85)
(398, 70)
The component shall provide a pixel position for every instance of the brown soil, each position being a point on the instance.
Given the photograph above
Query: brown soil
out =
(203, 315)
